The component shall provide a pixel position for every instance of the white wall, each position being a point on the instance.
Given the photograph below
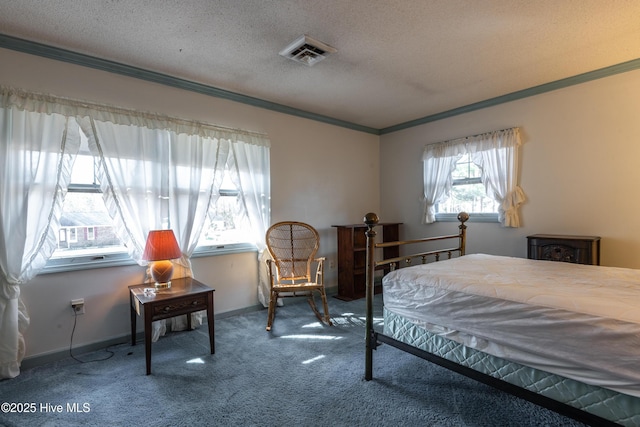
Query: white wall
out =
(320, 174)
(579, 168)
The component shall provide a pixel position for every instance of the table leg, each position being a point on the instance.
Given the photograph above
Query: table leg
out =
(210, 322)
(148, 311)
(133, 318)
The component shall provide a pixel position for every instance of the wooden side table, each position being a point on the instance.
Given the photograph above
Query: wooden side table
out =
(185, 296)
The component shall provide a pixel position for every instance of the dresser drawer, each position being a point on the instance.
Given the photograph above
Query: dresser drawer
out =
(575, 249)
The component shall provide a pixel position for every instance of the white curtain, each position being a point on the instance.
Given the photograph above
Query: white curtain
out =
(196, 172)
(133, 181)
(439, 161)
(37, 148)
(250, 172)
(496, 153)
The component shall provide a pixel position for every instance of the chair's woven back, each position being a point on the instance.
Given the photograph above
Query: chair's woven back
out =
(293, 246)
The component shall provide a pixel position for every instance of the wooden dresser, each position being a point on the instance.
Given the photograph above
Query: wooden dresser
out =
(352, 253)
(554, 247)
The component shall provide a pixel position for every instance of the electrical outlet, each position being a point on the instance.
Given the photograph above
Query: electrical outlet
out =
(77, 306)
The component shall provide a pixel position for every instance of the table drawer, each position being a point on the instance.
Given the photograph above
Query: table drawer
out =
(181, 305)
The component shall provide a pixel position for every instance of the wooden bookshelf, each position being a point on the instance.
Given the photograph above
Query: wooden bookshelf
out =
(352, 254)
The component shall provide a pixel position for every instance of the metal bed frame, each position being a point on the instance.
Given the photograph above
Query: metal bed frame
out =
(373, 338)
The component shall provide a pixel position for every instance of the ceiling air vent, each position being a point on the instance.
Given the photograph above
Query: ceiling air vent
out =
(307, 50)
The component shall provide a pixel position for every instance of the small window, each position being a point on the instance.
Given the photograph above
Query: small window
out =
(468, 194)
(73, 235)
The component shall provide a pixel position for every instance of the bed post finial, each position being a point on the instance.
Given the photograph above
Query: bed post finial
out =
(463, 217)
(371, 220)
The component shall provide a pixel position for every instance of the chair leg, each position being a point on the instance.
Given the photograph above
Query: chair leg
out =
(312, 303)
(323, 318)
(327, 318)
(271, 314)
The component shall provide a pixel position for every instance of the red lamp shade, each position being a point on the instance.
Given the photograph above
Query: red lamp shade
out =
(161, 244)
(161, 247)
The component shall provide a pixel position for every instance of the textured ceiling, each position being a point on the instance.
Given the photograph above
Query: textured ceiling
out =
(397, 61)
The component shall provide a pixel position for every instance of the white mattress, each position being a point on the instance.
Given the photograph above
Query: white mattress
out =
(578, 321)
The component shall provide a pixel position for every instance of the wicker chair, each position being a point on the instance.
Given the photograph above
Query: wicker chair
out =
(293, 246)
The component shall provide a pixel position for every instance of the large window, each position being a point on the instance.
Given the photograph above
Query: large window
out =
(87, 235)
(128, 172)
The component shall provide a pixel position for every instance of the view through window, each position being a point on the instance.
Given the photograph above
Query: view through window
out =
(87, 230)
(467, 192)
(227, 221)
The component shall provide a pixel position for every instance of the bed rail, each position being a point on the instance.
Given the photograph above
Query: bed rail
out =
(371, 220)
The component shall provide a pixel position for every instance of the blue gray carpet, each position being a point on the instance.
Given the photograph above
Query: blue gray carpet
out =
(300, 374)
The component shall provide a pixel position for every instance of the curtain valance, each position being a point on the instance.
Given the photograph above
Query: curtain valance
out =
(52, 104)
(472, 144)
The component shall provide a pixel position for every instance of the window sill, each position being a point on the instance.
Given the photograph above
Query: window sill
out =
(231, 248)
(473, 217)
(61, 265)
(88, 262)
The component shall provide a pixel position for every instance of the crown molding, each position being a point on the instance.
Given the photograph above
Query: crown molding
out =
(525, 93)
(64, 55)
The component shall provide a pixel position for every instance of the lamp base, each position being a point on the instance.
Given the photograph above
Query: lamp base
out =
(165, 285)
(161, 272)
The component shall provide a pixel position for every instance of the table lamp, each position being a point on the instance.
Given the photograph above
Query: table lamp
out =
(161, 247)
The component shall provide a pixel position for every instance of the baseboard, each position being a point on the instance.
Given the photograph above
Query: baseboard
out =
(44, 359)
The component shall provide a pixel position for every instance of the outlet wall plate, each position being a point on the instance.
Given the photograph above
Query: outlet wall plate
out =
(77, 306)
